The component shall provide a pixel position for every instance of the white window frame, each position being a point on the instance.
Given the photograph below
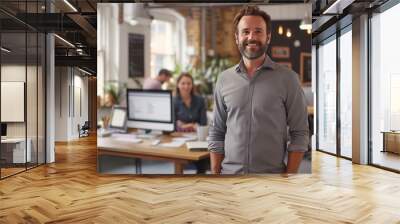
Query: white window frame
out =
(179, 31)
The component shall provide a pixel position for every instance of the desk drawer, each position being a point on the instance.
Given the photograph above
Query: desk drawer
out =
(19, 153)
(6, 154)
(15, 152)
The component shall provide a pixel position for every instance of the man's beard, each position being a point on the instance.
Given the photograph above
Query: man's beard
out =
(251, 55)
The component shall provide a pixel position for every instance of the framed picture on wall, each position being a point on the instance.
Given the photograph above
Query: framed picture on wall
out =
(280, 52)
(285, 63)
(305, 68)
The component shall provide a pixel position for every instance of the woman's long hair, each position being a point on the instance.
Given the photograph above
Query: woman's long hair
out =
(184, 74)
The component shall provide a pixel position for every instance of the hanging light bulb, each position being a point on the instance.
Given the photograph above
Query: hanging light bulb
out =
(280, 30)
(288, 33)
(305, 23)
(309, 31)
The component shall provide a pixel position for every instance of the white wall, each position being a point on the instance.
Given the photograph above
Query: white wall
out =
(33, 126)
(125, 30)
(61, 103)
(16, 73)
(107, 44)
(79, 117)
(69, 85)
(112, 46)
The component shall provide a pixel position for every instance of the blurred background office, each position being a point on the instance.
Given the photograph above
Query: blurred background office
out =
(136, 41)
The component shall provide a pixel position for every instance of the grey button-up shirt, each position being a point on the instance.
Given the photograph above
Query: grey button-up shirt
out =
(252, 117)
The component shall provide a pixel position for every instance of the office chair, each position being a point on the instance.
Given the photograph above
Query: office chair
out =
(84, 130)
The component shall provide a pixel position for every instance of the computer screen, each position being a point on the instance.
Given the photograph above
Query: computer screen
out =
(3, 129)
(118, 119)
(150, 109)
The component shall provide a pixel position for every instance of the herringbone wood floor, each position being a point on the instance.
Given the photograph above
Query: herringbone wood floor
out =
(70, 191)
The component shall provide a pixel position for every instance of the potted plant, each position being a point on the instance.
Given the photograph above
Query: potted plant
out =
(214, 66)
(113, 91)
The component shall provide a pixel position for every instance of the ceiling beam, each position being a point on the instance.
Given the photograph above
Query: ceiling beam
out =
(84, 24)
(83, 61)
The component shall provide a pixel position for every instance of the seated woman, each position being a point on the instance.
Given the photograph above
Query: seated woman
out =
(190, 111)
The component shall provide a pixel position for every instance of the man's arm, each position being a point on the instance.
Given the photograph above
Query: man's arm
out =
(216, 160)
(297, 121)
(217, 131)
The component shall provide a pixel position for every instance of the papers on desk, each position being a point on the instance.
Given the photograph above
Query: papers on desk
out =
(179, 141)
(186, 138)
(173, 144)
(122, 135)
(133, 140)
(197, 146)
(190, 135)
(126, 138)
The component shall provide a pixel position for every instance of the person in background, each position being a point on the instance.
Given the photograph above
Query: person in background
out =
(190, 111)
(163, 76)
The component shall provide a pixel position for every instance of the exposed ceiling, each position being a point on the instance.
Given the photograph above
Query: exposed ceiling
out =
(329, 15)
(74, 21)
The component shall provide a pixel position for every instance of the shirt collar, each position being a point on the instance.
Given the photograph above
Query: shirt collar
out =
(268, 63)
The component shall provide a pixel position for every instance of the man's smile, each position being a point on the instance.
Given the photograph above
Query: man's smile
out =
(252, 45)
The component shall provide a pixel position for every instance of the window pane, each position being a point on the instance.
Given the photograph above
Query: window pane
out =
(327, 97)
(162, 46)
(385, 88)
(346, 94)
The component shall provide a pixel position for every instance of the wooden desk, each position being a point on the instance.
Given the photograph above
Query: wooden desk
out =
(391, 141)
(144, 150)
(13, 150)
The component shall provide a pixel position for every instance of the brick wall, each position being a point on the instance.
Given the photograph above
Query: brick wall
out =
(225, 42)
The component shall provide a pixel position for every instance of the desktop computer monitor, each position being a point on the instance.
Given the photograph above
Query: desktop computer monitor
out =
(150, 109)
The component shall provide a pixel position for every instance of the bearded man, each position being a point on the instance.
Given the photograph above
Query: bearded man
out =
(256, 103)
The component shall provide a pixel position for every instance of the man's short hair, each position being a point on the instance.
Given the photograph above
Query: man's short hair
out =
(252, 11)
(165, 72)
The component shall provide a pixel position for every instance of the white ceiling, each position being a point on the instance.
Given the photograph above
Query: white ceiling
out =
(287, 11)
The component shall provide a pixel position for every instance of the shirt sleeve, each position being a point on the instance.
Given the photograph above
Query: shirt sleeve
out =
(296, 109)
(203, 112)
(217, 130)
